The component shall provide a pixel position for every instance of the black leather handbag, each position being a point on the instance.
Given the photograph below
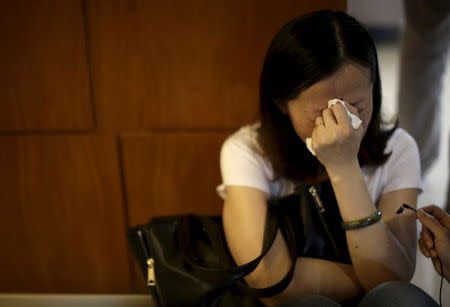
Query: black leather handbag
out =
(185, 260)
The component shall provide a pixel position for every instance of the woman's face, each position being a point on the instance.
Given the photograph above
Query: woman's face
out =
(350, 83)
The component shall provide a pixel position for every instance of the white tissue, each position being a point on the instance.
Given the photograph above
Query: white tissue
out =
(356, 122)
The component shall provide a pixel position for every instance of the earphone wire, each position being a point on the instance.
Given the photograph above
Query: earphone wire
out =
(442, 278)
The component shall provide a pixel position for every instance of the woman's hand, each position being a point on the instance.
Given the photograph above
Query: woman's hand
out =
(334, 140)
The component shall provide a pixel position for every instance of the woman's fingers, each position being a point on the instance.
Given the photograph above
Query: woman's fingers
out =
(328, 118)
(341, 115)
(319, 121)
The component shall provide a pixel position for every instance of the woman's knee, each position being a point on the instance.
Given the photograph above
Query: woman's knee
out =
(396, 293)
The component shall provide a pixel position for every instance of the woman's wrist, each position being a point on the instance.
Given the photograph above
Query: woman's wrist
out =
(343, 170)
(351, 191)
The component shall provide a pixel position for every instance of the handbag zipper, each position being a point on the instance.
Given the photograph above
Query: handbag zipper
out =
(313, 191)
(151, 281)
(151, 272)
(319, 205)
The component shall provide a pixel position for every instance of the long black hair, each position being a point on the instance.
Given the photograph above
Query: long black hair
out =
(306, 50)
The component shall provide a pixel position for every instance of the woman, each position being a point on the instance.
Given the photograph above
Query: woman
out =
(311, 60)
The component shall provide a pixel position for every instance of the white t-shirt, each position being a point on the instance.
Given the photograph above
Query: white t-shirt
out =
(242, 164)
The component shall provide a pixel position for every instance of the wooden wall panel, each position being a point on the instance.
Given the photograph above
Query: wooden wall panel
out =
(62, 221)
(186, 70)
(44, 80)
(171, 173)
(176, 64)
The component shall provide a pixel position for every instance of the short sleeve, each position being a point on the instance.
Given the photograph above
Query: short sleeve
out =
(403, 166)
(241, 166)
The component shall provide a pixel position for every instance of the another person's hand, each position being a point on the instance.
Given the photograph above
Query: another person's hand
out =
(434, 239)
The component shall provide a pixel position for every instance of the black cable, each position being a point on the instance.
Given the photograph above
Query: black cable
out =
(442, 278)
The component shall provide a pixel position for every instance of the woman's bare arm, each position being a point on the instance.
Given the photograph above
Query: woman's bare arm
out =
(244, 220)
(383, 251)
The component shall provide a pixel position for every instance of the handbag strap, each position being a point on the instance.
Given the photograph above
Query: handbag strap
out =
(228, 272)
(231, 275)
(289, 236)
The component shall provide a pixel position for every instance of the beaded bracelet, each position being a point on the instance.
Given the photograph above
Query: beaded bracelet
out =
(362, 222)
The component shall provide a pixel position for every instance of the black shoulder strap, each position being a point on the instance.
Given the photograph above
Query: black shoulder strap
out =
(231, 275)
(289, 236)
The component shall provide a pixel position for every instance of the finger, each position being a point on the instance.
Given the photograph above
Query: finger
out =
(430, 222)
(315, 137)
(341, 115)
(423, 249)
(437, 212)
(328, 118)
(432, 252)
(318, 129)
(319, 121)
(427, 238)
(426, 234)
